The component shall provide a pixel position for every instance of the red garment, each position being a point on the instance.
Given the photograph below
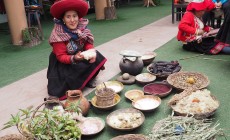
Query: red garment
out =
(59, 49)
(59, 8)
(210, 5)
(188, 26)
(196, 5)
(201, 5)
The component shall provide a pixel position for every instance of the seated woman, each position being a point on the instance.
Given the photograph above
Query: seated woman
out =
(192, 30)
(223, 36)
(73, 62)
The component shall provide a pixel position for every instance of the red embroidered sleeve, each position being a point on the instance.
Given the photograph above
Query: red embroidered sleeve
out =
(88, 46)
(187, 24)
(59, 49)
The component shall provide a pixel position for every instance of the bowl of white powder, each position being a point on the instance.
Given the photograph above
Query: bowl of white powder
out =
(147, 103)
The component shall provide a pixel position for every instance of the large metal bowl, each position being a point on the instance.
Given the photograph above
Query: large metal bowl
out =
(145, 78)
(91, 126)
(115, 85)
(147, 103)
(112, 119)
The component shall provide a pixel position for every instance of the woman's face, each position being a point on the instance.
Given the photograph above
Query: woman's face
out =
(70, 19)
(199, 14)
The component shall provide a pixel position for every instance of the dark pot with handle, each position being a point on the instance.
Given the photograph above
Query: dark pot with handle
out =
(131, 62)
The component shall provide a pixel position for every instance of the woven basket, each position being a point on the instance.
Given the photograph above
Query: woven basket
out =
(107, 99)
(13, 137)
(179, 80)
(173, 101)
(26, 133)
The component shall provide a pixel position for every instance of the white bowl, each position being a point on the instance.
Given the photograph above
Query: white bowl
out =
(147, 103)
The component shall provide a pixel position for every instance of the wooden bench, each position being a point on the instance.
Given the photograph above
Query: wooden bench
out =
(178, 9)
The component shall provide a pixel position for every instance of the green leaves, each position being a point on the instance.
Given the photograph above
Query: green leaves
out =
(74, 107)
(185, 128)
(46, 124)
(13, 121)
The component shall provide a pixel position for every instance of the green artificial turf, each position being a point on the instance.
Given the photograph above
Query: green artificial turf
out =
(17, 62)
(216, 70)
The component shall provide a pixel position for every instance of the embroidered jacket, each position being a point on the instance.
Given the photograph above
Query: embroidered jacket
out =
(188, 27)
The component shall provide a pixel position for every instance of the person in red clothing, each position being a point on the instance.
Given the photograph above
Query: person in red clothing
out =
(73, 62)
(193, 33)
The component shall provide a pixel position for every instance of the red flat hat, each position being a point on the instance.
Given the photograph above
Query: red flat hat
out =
(58, 9)
(197, 5)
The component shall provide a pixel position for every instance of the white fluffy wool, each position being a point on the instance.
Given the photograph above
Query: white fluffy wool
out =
(89, 54)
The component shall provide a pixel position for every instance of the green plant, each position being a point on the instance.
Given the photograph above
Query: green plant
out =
(26, 36)
(45, 124)
(74, 107)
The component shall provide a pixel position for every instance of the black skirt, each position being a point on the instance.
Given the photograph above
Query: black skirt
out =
(205, 46)
(223, 35)
(63, 77)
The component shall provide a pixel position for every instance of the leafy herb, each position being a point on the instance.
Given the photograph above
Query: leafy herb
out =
(185, 128)
(74, 107)
(45, 124)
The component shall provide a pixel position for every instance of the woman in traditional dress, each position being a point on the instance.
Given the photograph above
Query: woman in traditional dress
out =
(73, 62)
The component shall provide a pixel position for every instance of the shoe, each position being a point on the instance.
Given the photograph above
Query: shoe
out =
(103, 68)
(91, 84)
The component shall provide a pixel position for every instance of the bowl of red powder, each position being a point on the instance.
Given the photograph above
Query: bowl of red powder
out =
(160, 89)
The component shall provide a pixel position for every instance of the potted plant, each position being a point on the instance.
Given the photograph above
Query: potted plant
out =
(31, 36)
(38, 124)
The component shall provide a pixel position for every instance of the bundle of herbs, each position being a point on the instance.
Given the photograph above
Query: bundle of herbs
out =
(185, 128)
(40, 124)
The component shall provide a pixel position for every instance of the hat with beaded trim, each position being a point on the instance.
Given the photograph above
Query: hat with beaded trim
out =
(58, 9)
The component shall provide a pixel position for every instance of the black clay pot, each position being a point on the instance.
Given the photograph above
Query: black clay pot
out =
(132, 67)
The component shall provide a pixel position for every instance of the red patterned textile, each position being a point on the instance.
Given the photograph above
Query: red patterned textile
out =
(59, 35)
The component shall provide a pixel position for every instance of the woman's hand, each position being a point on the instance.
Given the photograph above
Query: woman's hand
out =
(93, 56)
(89, 55)
(78, 57)
(92, 59)
(199, 32)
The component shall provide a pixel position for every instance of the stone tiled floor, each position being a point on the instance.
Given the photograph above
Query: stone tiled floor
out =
(32, 89)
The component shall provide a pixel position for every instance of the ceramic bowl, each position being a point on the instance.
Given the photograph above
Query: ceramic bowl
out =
(134, 119)
(148, 58)
(91, 126)
(115, 85)
(145, 78)
(146, 103)
(134, 94)
(117, 99)
(160, 89)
